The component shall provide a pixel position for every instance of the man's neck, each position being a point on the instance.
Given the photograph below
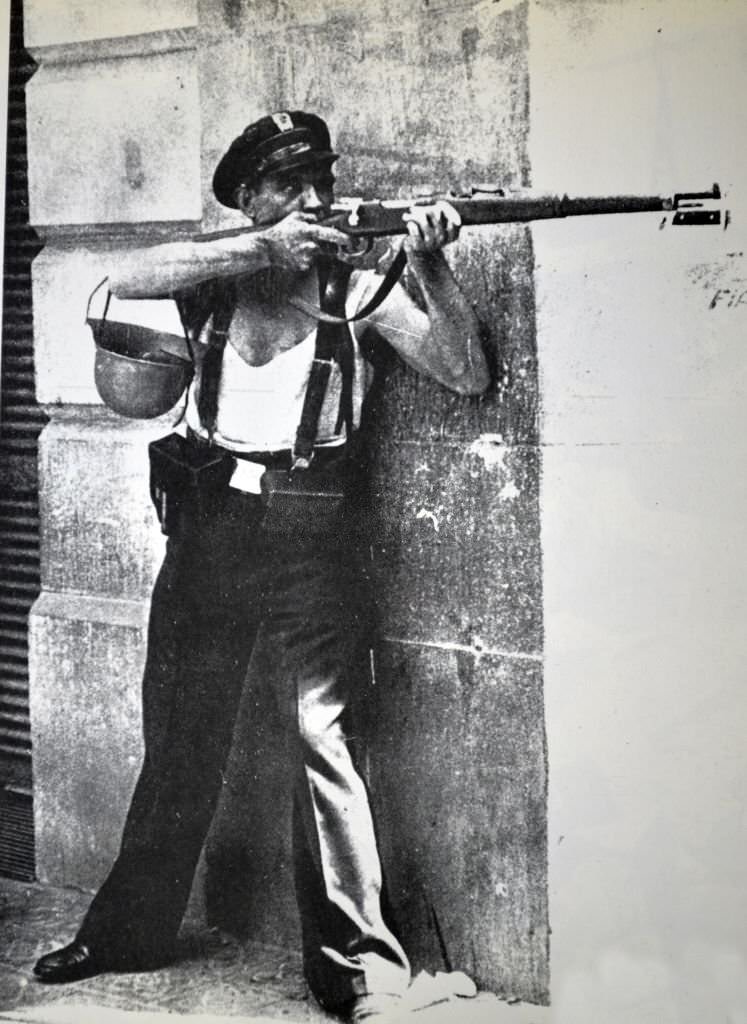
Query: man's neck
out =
(275, 286)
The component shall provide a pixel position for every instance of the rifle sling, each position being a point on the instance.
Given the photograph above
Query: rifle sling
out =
(390, 279)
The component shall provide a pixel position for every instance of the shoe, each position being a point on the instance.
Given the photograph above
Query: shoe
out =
(71, 963)
(378, 1009)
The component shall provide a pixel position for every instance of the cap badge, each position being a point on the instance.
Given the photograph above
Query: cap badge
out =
(283, 121)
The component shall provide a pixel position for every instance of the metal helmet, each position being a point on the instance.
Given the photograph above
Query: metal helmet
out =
(139, 372)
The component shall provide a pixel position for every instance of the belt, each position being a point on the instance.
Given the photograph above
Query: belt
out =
(281, 459)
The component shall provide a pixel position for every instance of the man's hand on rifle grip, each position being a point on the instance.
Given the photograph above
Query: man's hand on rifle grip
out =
(297, 240)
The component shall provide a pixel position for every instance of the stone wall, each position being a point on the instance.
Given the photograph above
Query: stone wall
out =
(418, 96)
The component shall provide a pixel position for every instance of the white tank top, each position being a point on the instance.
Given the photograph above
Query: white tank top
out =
(259, 407)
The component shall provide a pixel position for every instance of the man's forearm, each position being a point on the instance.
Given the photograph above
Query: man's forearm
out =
(454, 335)
(291, 244)
(164, 269)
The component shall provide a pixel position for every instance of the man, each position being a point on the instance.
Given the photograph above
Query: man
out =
(250, 567)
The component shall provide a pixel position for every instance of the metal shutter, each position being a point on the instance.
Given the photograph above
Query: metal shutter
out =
(21, 420)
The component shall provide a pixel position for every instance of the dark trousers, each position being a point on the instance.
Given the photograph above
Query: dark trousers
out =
(224, 587)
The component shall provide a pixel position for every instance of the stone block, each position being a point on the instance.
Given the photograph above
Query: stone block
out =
(85, 659)
(49, 24)
(456, 762)
(100, 535)
(456, 549)
(114, 141)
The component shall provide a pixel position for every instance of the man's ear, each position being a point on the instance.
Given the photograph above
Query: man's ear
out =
(245, 201)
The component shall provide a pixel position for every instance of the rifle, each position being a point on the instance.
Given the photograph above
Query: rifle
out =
(489, 204)
(368, 219)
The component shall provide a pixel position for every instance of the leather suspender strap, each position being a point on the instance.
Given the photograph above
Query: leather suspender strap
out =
(212, 364)
(346, 361)
(332, 338)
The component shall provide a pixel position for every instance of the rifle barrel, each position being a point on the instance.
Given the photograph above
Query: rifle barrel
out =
(372, 219)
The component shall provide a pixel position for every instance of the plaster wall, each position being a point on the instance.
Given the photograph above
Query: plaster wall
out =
(643, 375)
(106, 93)
(87, 20)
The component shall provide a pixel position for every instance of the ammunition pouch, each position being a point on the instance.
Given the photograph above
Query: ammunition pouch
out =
(182, 472)
(309, 503)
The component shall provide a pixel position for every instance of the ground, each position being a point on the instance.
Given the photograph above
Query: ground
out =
(216, 977)
(214, 974)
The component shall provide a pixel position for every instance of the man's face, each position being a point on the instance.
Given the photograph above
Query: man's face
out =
(307, 189)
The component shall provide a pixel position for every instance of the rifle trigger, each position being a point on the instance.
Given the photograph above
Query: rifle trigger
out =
(365, 245)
